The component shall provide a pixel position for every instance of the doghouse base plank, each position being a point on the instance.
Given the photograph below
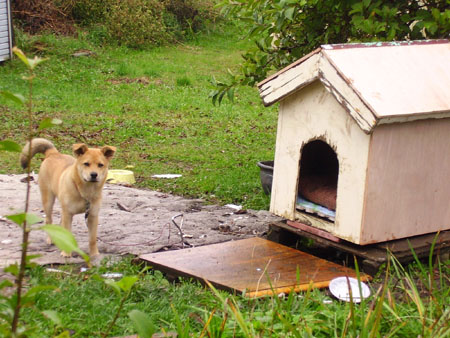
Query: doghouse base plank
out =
(373, 255)
(255, 267)
(315, 231)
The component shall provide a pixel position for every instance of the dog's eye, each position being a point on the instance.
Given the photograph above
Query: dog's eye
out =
(100, 165)
(86, 164)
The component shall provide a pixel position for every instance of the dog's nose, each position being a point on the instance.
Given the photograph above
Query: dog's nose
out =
(94, 175)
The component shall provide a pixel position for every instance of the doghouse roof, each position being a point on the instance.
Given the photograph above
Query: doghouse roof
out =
(375, 82)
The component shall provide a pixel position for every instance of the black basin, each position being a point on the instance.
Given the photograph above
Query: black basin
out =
(266, 175)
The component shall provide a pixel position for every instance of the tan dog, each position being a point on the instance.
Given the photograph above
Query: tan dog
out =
(76, 182)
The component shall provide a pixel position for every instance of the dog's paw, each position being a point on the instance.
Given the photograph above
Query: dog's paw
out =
(66, 254)
(94, 253)
(96, 259)
(93, 250)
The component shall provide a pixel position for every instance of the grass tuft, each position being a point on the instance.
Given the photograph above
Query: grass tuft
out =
(183, 82)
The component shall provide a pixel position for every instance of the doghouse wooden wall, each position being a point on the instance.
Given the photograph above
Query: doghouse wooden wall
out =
(408, 182)
(313, 113)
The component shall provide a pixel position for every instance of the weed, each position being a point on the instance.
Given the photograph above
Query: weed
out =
(125, 69)
(183, 81)
(151, 73)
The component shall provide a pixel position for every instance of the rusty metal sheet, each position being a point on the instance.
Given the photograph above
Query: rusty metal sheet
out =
(254, 266)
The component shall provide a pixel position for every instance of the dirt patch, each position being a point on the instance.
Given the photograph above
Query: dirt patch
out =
(132, 221)
(141, 80)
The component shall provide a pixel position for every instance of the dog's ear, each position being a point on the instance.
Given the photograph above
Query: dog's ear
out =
(79, 149)
(108, 151)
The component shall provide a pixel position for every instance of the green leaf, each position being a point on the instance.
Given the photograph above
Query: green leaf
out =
(142, 323)
(53, 316)
(48, 123)
(230, 93)
(182, 326)
(289, 13)
(10, 146)
(13, 269)
(127, 282)
(35, 61)
(33, 219)
(21, 56)
(228, 304)
(29, 258)
(221, 95)
(357, 8)
(21, 218)
(230, 73)
(64, 239)
(36, 289)
(214, 97)
(5, 284)
(29, 297)
(97, 278)
(30, 63)
(16, 98)
(113, 285)
(366, 3)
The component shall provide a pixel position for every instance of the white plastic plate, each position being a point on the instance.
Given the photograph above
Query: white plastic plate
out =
(339, 288)
(167, 176)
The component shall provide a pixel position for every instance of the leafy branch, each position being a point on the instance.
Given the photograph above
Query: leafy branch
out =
(285, 30)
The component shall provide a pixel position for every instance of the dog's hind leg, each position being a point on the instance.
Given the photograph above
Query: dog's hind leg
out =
(48, 200)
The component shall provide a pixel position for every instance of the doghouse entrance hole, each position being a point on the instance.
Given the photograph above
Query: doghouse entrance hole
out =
(317, 187)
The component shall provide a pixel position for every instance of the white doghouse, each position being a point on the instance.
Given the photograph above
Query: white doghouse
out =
(374, 120)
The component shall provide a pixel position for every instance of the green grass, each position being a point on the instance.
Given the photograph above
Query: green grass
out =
(86, 306)
(154, 106)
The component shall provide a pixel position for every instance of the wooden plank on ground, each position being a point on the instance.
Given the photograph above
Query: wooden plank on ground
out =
(254, 266)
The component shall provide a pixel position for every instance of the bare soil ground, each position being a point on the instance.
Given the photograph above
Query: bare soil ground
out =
(132, 221)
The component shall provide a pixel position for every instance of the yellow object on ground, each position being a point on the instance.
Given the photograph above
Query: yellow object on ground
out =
(120, 176)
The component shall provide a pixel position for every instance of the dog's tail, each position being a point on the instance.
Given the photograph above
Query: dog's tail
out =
(38, 145)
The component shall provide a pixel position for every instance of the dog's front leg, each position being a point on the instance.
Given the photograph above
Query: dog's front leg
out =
(92, 224)
(66, 223)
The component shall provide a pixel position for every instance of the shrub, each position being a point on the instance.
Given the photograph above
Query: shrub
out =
(133, 23)
(90, 12)
(191, 15)
(140, 23)
(137, 23)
